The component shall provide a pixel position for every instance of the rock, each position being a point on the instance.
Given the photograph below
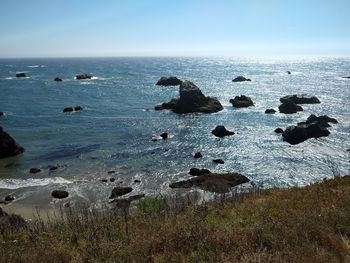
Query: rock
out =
(278, 130)
(289, 107)
(59, 194)
(21, 75)
(241, 102)
(220, 131)
(198, 155)
(136, 181)
(9, 198)
(2, 114)
(111, 172)
(301, 99)
(313, 127)
(288, 72)
(346, 77)
(240, 79)
(164, 135)
(119, 191)
(218, 183)
(219, 161)
(8, 146)
(83, 76)
(78, 108)
(104, 180)
(170, 81)
(57, 79)
(112, 180)
(34, 170)
(191, 100)
(53, 168)
(270, 111)
(68, 109)
(197, 171)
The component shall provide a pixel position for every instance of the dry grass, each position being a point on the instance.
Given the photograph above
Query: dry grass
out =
(310, 224)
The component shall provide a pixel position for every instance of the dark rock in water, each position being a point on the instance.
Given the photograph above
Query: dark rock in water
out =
(68, 109)
(198, 155)
(104, 180)
(53, 168)
(9, 198)
(346, 77)
(67, 151)
(288, 72)
(289, 107)
(170, 81)
(34, 170)
(112, 180)
(111, 172)
(219, 161)
(191, 100)
(137, 181)
(57, 79)
(313, 127)
(8, 146)
(78, 108)
(83, 76)
(197, 171)
(240, 79)
(164, 135)
(21, 75)
(218, 183)
(220, 131)
(278, 130)
(2, 114)
(301, 99)
(270, 111)
(59, 194)
(241, 102)
(119, 191)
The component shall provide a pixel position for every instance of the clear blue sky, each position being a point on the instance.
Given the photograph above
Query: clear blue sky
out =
(66, 28)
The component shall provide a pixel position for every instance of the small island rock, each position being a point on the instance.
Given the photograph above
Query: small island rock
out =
(59, 194)
(220, 131)
(301, 99)
(8, 146)
(240, 79)
(241, 101)
(83, 76)
(270, 111)
(289, 107)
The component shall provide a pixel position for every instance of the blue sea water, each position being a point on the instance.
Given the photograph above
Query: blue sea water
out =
(114, 130)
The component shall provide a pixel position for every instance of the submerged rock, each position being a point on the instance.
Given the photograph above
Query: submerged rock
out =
(8, 146)
(313, 127)
(270, 111)
(9, 198)
(34, 170)
(78, 108)
(240, 79)
(59, 194)
(197, 171)
(83, 76)
(58, 79)
(212, 182)
(197, 155)
(119, 191)
(288, 72)
(241, 101)
(2, 114)
(289, 107)
(301, 99)
(219, 161)
(191, 100)
(21, 75)
(164, 135)
(169, 81)
(221, 131)
(72, 109)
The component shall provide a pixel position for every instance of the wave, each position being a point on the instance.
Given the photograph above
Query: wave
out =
(21, 183)
(37, 66)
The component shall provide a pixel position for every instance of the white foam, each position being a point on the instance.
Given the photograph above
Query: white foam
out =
(37, 66)
(21, 183)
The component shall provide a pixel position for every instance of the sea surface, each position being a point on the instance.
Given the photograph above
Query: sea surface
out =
(114, 130)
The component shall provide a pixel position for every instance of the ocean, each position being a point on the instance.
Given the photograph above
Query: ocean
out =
(113, 131)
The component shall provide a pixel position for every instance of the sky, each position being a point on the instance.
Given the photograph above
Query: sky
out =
(86, 28)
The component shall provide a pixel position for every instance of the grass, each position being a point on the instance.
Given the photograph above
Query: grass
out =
(310, 224)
